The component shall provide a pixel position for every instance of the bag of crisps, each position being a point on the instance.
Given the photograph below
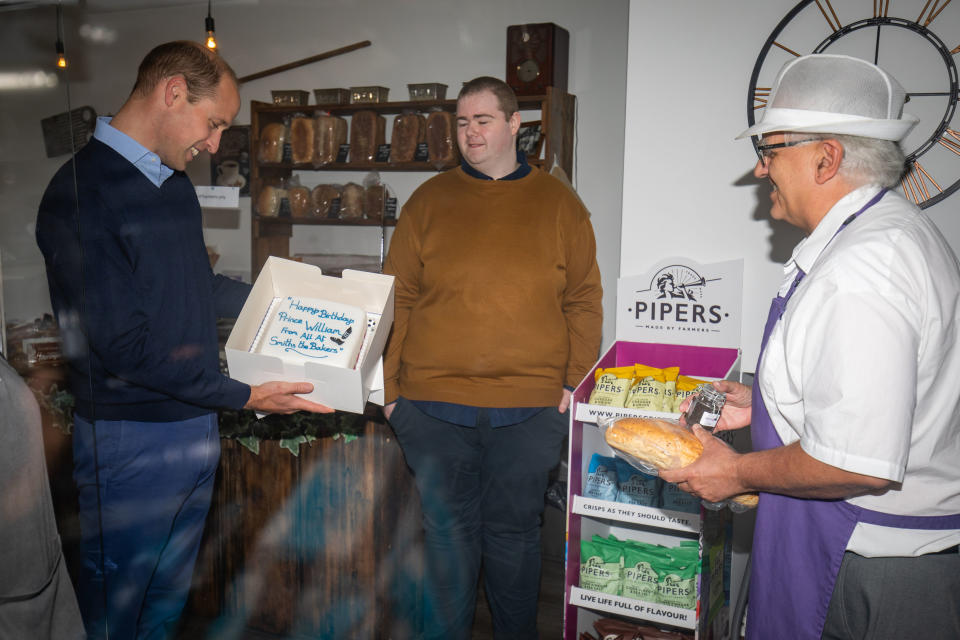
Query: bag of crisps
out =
(611, 386)
(685, 388)
(647, 390)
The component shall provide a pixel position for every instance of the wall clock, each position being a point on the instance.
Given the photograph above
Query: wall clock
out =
(537, 57)
(907, 46)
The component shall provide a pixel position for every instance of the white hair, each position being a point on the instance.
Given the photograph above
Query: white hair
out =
(865, 160)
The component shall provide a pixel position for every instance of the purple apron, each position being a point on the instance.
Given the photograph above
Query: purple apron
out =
(798, 544)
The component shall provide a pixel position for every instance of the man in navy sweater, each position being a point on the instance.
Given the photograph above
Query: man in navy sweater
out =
(137, 302)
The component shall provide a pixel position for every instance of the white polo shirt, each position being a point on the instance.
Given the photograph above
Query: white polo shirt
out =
(864, 366)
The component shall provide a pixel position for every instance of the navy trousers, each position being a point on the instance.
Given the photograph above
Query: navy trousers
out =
(156, 482)
(482, 493)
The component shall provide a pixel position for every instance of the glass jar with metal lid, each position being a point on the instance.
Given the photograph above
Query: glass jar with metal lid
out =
(706, 403)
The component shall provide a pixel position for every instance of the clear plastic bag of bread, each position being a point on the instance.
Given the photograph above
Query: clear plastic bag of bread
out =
(273, 137)
(323, 197)
(409, 129)
(374, 196)
(656, 444)
(442, 148)
(302, 138)
(269, 199)
(351, 201)
(367, 133)
(298, 196)
(331, 132)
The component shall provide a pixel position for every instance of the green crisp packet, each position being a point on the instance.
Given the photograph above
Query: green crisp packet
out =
(640, 575)
(600, 566)
(678, 587)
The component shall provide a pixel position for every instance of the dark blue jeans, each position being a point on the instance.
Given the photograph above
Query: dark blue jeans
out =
(482, 493)
(156, 481)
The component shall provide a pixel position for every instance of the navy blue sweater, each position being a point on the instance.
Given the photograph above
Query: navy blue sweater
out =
(132, 287)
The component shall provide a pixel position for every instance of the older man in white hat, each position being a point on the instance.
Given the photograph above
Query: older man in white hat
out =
(855, 412)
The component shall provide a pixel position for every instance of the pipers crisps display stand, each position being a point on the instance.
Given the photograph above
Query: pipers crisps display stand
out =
(673, 556)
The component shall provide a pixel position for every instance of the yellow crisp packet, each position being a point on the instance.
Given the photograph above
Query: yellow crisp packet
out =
(670, 375)
(647, 390)
(611, 386)
(685, 387)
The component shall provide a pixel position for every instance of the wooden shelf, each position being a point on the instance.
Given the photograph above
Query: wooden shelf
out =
(338, 222)
(527, 103)
(271, 236)
(352, 166)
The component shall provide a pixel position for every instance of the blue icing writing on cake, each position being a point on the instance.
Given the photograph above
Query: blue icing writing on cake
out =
(299, 330)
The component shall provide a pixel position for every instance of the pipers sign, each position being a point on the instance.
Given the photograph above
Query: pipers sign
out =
(680, 301)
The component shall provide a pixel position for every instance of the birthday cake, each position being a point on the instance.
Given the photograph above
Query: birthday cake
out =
(298, 330)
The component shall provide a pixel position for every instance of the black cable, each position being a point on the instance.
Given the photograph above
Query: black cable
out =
(83, 324)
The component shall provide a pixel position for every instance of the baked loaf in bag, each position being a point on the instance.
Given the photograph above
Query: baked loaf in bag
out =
(331, 133)
(302, 139)
(442, 139)
(408, 130)
(656, 444)
(367, 133)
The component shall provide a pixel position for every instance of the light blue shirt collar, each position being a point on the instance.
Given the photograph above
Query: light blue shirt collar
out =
(139, 156)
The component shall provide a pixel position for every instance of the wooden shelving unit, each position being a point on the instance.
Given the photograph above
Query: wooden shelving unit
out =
(270, 236)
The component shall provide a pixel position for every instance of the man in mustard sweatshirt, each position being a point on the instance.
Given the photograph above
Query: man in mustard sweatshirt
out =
(498, 316)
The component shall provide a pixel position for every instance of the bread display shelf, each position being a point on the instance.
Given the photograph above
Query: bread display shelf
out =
(271, 236)
(636, 514)
(359, 166)
(636, 609)
(588, 517)
(527, 103)
(342, 222)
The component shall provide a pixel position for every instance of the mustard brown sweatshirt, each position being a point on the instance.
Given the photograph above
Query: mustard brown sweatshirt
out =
(498, 295)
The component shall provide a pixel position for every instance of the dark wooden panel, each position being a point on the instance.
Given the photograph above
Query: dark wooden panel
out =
(324, 545)
(361, 540)
(261, 559)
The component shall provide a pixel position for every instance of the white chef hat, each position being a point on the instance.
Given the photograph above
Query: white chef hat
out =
(823, 93)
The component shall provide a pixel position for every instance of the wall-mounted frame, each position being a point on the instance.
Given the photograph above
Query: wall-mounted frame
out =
(230, 165)
(530, 138)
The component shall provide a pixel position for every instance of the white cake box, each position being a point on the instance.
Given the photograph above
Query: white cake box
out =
(337, 387)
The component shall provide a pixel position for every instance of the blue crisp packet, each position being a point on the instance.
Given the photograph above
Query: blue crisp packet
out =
(601, 478)
(636, 487)
(675, 498)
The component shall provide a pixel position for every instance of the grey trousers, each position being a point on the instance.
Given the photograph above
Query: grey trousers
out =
(896, 598)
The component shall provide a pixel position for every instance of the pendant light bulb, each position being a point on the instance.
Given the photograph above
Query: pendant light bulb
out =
(211, 40)
(61, 58)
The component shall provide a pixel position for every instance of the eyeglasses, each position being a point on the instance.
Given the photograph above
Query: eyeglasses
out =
(764, 150)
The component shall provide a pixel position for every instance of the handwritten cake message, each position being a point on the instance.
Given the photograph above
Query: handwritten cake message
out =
(313, 329)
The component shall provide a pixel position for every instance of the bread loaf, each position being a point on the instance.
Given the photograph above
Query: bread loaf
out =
(749, 500)
(351, 201)
(272, 138)
(268, 200)
(302, 138)
(374, 198)
(662, 444)
(331, 132)
(301, 204)
(442, 139)
(408, 130)
(367, 132)
(323, 196)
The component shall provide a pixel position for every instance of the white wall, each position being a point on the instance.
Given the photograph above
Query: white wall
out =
(688, 188)
(446, 41)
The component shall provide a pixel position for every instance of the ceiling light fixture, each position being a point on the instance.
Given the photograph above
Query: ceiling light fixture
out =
(211, 40)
